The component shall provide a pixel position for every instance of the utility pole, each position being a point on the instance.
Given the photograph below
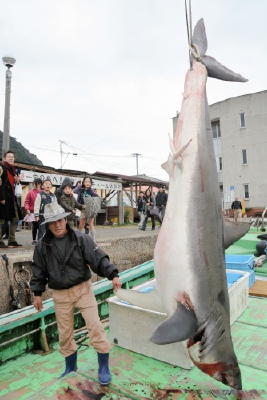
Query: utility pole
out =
(9, 63)
(61, 153)
(62, 163)
(136, 155)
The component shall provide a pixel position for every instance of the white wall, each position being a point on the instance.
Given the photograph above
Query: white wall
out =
(252, 138)
(234, 138)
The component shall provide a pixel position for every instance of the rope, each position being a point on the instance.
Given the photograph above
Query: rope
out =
(188, 17)
(13, 300)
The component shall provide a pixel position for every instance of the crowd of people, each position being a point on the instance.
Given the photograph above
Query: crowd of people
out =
(81, 201)
(81, 198)
(151, 205)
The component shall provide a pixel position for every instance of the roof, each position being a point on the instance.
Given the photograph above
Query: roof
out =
(48, 169)
(236, 97)
(128, 180)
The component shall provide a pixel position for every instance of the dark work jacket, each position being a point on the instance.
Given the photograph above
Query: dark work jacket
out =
(141, 204)
(236, 205)
(161, 199)
(82, 253)
(8, 210)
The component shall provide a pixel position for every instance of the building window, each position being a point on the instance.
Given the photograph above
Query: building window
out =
(216, 129)
(242, 120)
(220, 163)
(244, 157)
(246, 191)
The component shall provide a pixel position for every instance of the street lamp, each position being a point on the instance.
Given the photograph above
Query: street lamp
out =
(9, 63)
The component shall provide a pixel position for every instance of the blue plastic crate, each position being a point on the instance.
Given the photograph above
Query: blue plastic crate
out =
(242, 262)
(239, 261)
(232, 277)
(251, 278)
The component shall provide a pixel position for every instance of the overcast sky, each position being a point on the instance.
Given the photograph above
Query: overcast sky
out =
(107, 76)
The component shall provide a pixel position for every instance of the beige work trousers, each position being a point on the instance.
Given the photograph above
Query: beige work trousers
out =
(237, 214)
(82, 297)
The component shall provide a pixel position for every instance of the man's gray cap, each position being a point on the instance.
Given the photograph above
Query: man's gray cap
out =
(53, 212)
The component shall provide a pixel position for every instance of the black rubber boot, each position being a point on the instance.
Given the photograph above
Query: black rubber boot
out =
(104, 376)
(71, 364)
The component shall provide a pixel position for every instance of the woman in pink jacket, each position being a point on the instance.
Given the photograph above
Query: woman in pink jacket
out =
(29, 205)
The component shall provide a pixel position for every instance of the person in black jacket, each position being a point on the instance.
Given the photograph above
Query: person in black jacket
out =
(161, 201)
(141, 208)
(61, 259)
(150, 204)
(237, 207)
(9, 207)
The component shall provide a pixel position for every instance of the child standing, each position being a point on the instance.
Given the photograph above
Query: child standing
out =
(68, 201)
(46, 196)
(84, 193)
(29, 206)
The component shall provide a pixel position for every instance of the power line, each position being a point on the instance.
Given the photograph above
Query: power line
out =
(83, 154)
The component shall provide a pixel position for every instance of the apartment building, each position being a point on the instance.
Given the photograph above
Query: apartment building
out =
(239, 134)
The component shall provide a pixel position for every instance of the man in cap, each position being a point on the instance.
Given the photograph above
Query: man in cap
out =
(61, 259)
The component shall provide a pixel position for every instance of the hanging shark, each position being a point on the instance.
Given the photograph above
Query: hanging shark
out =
(189, 253)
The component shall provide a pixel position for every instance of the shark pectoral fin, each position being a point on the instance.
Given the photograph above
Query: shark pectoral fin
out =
(219, 71)
(167, 166)
(180, 326)
(180, 152)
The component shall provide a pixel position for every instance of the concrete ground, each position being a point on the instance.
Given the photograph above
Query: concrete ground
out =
(103, 235)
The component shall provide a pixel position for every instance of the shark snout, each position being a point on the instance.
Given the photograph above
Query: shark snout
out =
(227, 373)
(230, 375)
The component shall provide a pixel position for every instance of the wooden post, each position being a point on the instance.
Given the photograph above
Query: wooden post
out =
(131, 195)
(121, 208)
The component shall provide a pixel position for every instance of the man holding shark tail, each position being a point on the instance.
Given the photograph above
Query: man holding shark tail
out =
(61, 259)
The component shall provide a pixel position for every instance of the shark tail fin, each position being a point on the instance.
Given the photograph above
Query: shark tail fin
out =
(214, 68)
(219, 71)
